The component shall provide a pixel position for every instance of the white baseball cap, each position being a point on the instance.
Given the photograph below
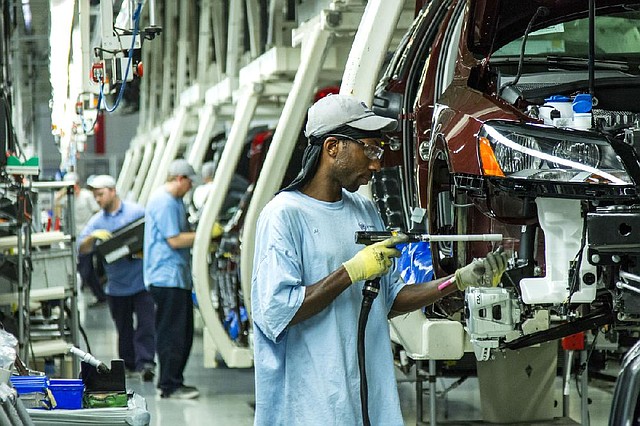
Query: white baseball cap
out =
(208, 169)
(101, 181)
(181, 167)
(71, 177)
(334, 111)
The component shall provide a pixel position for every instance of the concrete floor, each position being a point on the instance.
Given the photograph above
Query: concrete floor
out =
(227, 394)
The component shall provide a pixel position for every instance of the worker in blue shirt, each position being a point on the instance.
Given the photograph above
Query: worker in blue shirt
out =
(167, 275)
(308, 276)
(126, 293)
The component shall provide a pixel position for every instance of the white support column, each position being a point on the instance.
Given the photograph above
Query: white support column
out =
(367, 53)
(207, 122)
(234, 41)
(193, 35)
(276, 19)
(127, 178)
(124, 170)
(219, 37)
(156, 83)
(369, 48)
(84, 18)
(168, 59)
(106, 21)
(233, 355)
(147, 157)
(182, 53)
(255, 30)
(204, 43)
(314, 49)
(149, 179)
(136, 160)
(171, 148)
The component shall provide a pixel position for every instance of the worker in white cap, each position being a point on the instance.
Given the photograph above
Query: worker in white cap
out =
(131, 305)
(201, 192)
(308, 277)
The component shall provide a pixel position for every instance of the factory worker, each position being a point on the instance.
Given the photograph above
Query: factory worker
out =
(129, 301)
(308, 276)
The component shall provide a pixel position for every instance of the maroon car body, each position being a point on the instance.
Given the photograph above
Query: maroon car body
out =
(512, 113)
(445, 83)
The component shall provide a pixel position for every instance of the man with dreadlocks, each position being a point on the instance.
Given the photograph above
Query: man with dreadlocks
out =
(308, 276)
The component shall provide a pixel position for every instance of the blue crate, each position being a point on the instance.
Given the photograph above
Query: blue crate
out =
(67, 392)
(29, 384)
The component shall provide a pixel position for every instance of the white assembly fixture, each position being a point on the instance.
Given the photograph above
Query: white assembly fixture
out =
(285, 137)
(370, 46)
(158, 152)
(130, 168)
(145, 163)
(373, 39)
(158, 175)
(234, 356)
(261, 81)
(206, 124)
(427, 338)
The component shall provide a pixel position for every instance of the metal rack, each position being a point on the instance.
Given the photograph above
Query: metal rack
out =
(42, 275)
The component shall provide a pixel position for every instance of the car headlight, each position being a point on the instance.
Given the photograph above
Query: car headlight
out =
(513, 160)
(583, 153)
(534, 152)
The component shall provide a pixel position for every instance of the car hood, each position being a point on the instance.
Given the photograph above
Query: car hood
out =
(494, 23)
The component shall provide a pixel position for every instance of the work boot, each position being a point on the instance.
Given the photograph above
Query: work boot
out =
(148, 373)
(183, 392)
(98, 303)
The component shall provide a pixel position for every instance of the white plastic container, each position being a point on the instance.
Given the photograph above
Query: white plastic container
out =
(565, 108)
(582, 120)
(560, 103)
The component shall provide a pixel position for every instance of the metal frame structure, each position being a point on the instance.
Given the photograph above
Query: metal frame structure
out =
(131, 165)
(231, 88)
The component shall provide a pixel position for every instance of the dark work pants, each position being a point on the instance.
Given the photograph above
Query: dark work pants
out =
(135, 346)
(174, 325)
(90, 276)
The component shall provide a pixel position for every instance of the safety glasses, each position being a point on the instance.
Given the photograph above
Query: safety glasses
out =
(373, 152)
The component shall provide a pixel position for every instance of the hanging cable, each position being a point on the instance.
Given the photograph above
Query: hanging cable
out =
(136, 19)
(575, 278)
(82, 121)
(541, 12)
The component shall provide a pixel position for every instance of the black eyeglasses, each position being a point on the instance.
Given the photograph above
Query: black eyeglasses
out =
(373, 152)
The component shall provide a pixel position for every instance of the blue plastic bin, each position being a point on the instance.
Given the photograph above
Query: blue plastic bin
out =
(31, 390)
(29, 384)
(67, 392)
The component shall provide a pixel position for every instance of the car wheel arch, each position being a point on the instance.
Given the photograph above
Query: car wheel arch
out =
(438, 203)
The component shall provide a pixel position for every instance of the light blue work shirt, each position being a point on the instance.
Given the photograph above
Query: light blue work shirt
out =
(124, 276)
(307, 373)
(164, 266)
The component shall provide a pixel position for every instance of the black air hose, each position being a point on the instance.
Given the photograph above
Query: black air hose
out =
(369, 293)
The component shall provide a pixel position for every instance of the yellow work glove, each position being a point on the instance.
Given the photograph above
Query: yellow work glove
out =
(482, 272)
(217, 230)
(101, 234)
(374, 260)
